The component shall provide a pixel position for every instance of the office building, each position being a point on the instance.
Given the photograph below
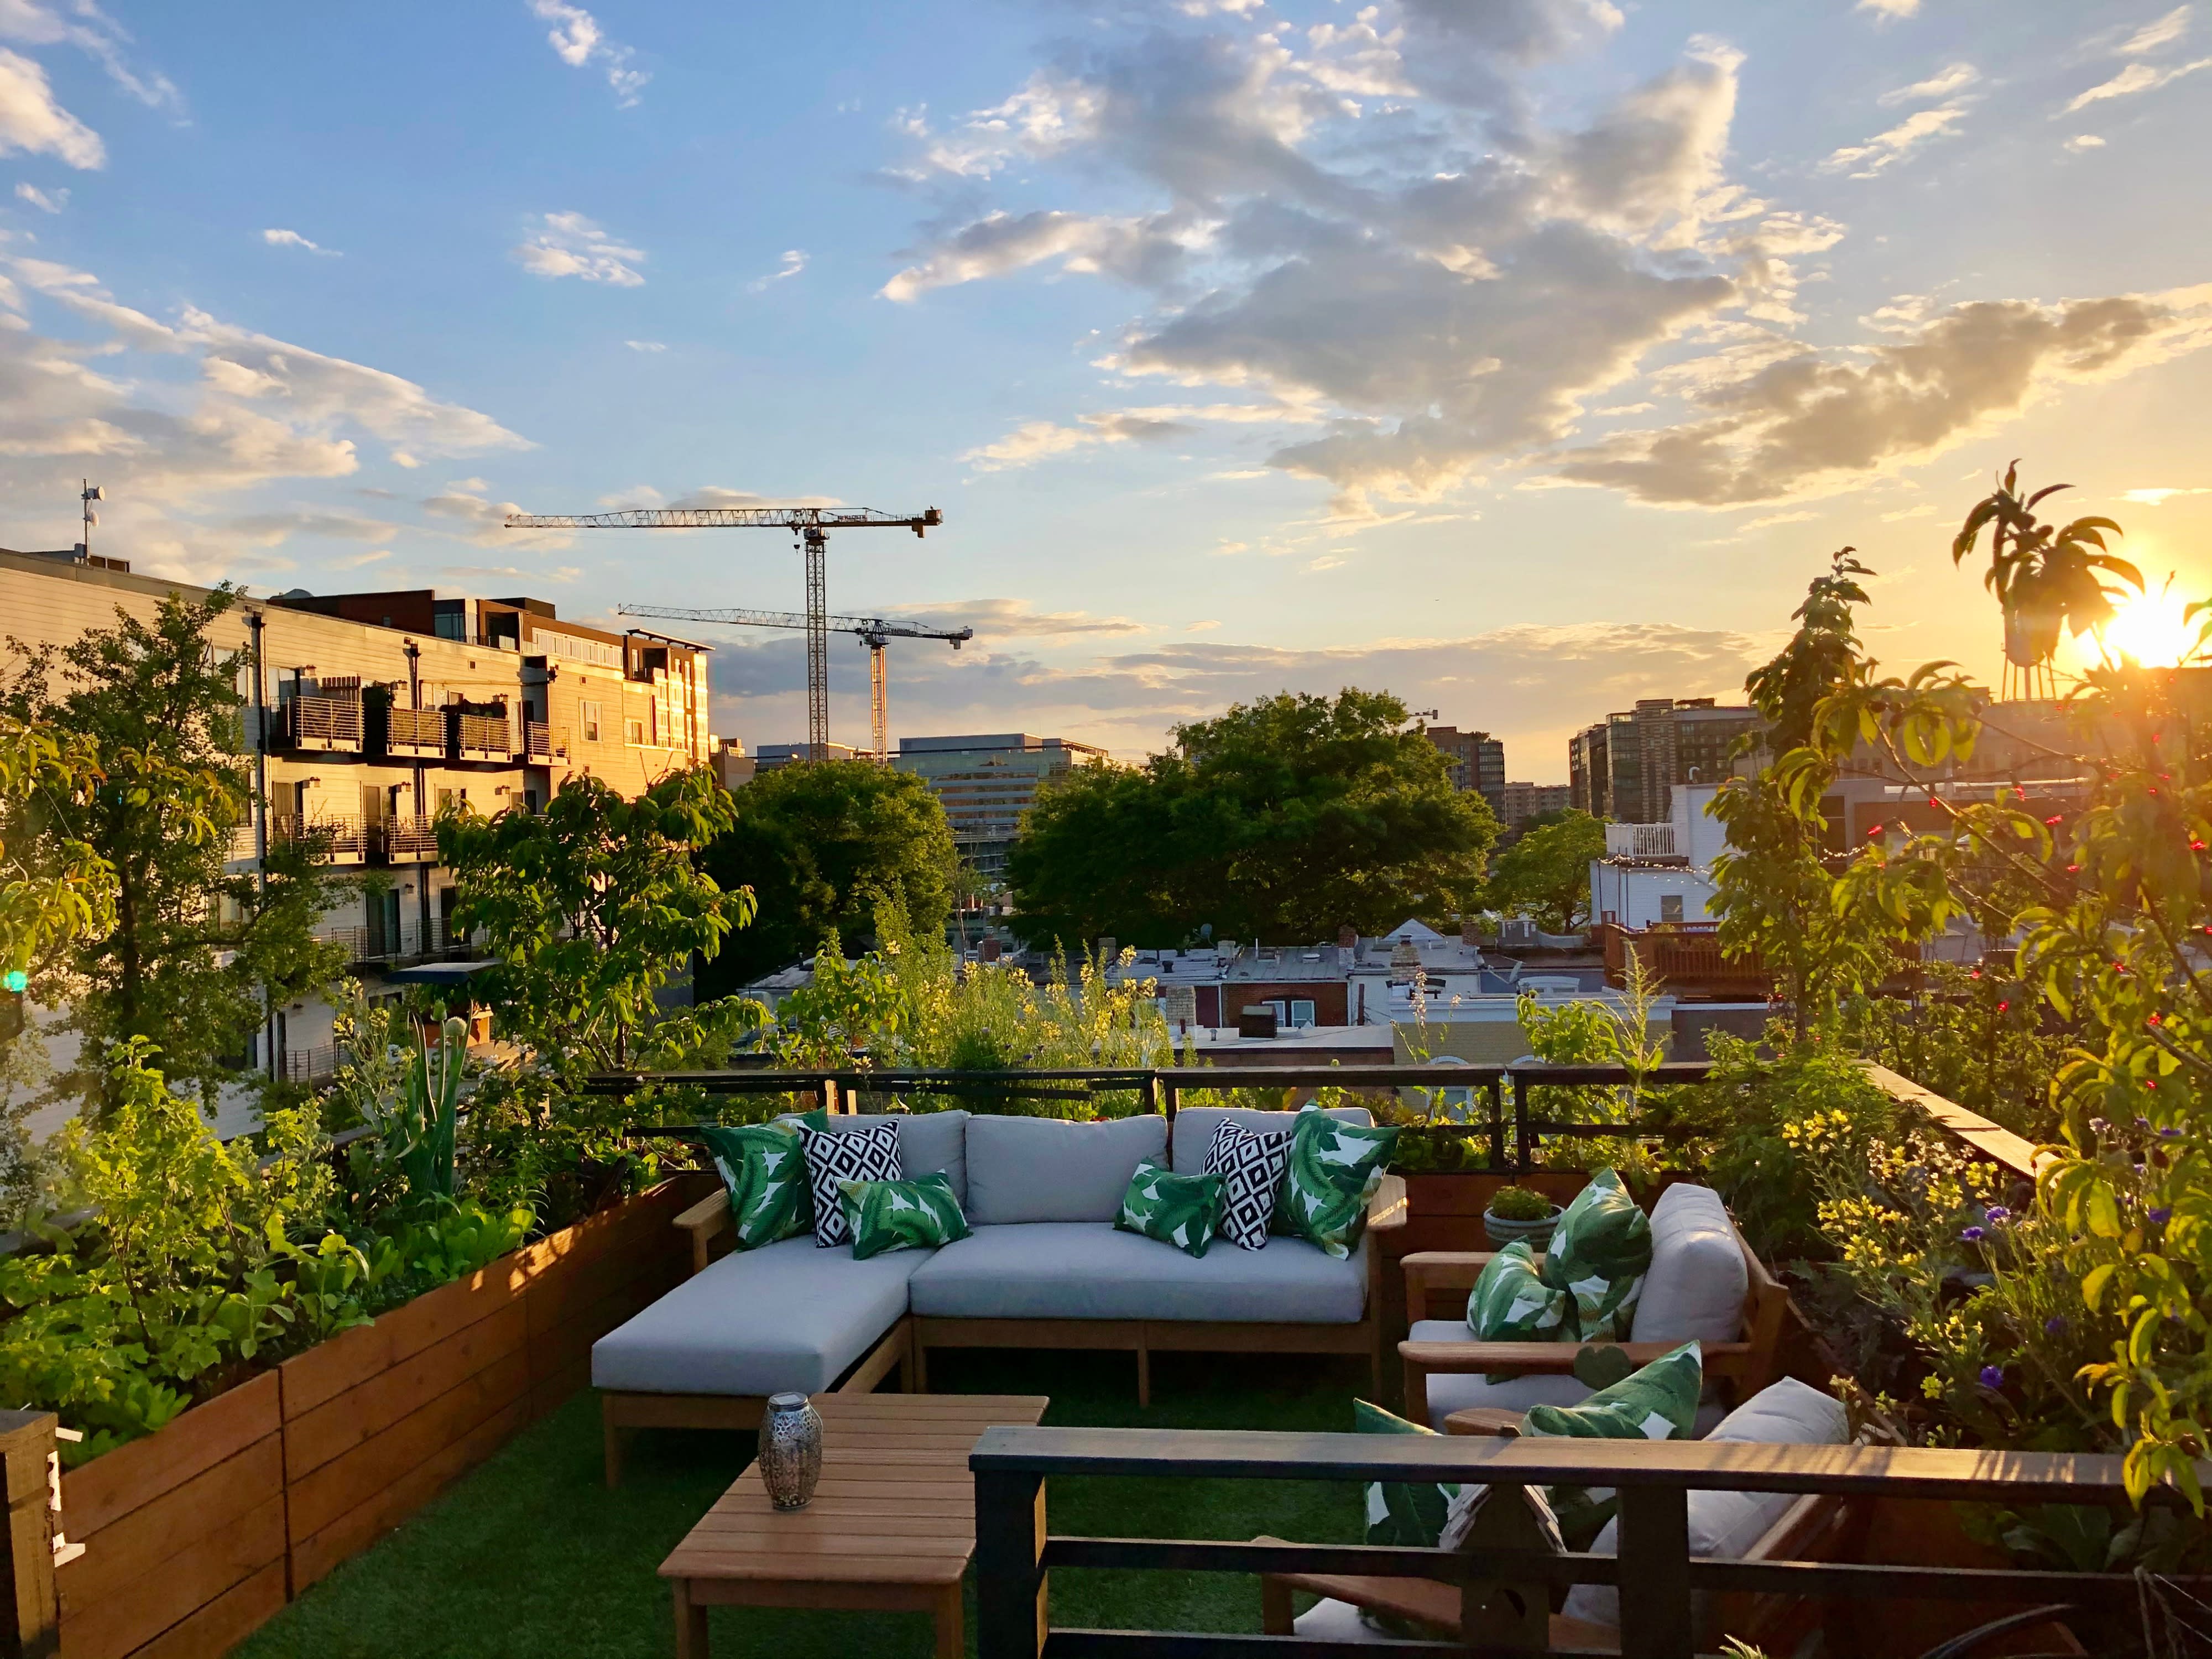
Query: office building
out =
(1627, 766)
(1524, 801)
(986, 782)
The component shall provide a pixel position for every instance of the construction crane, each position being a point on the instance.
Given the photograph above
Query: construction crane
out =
(874, 632)
(811, 525)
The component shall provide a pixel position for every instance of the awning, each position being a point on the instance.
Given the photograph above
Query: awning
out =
(437, 973)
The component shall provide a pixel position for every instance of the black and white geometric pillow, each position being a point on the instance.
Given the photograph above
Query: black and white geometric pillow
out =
(1254, 1165)
(836, 1155)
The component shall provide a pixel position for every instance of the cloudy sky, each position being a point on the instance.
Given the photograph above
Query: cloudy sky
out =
(1520, 356)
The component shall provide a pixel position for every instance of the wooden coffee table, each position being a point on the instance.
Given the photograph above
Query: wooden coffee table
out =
(890, 1528)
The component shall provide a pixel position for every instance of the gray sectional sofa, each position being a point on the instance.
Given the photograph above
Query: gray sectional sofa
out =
(1045, 1268)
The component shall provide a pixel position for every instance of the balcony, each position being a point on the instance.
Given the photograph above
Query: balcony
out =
(320, 725)
(541, 745)
(341, 839)
(415, 733)
(1641, 840)
(411, 942)
(481, 737)
(407, 841)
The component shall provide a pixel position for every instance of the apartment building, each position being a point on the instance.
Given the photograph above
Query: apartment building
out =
(1478, 762)
(986, 782)
(1626, 766)
(369, 712)
(1519, 802)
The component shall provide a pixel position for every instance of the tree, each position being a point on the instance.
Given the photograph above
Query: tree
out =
(590, 907)
(190, 952)
(822, 845)
(1546, 873)
(2045, 577)
(1288, 818)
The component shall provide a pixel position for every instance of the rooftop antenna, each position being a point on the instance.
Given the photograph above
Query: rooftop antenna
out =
(89, 492)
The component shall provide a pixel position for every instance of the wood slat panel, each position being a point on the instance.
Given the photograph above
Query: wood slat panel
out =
(223, 1623)
(556, 1348)
(119, 1617)
(359, 1475)
(150, 1540)
(352, 1358)
(312, 1438)
(110, 1487)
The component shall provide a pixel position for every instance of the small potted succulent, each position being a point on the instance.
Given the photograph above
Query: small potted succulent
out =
(1519, 1212)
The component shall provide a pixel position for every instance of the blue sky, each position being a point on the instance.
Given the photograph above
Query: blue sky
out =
(1523, 357)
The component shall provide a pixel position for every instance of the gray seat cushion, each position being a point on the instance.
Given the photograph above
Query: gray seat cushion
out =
(1089, 1270)
(1194, 1127)
(1453, 1391)
(1042, 1169)
(785, 1317)
(930, 1143)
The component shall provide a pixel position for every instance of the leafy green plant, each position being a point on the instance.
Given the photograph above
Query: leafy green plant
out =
(1520, 1204)
(2045, 577)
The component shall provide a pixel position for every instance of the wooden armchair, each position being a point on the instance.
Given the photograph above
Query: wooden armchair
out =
(1746, 1366)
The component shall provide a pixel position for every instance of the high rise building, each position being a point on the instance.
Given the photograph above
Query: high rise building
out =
(1478, 762)
(1626, 766)
(986, 782)
(1524, 801)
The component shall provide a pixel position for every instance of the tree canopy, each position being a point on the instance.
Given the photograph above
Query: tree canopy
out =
(1285, 818)
(823, 844)
(1546, 873)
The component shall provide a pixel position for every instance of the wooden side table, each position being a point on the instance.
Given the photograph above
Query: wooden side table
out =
(1494, 1420)
(891, 1529)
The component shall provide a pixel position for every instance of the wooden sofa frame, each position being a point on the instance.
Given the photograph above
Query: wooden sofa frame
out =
(1386, 1211)
(1744, 1367)
(905, 1347)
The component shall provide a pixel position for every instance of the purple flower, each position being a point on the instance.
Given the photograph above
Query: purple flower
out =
(2169, 1132)
(2142, 1123)
(1993, 1376)
(2055, 1326)
(2160, 1216)
(2101, 1126)
(1997, 1212)
(1973, 1235)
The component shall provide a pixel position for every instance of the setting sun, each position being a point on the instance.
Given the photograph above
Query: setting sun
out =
(2151, 628)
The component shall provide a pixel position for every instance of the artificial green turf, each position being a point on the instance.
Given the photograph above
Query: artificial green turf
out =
(531, 1556)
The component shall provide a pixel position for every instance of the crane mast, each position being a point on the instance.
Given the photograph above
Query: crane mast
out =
(874, 632)
(811, 525)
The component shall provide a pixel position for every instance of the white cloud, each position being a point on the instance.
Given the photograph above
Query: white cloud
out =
(793, 262)
(1806, 424)
(2135, 78)
(1205, 627)
(998, 619)
(32, 123)
(1770, 520)
(572, 246)
(579, 41)
(1953, 77)
(646, 345)
(2160, 497)
(1037, 440)
(2160, 32)
(45, 202)
(1884, 149)
(1144, 249)
(714, 496)
(1889, 11)
(38, 24)
(2084, 141)
(292, 238)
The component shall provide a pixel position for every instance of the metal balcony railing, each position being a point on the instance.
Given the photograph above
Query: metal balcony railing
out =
(407, 841)
(314, 1065)
(344, 840)
(541, 743)
(1641, 840)
(418, 733)
(411, 942)
(481, 737)
(324, 724)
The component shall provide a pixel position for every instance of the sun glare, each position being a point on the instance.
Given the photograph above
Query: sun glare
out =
(2149, 628)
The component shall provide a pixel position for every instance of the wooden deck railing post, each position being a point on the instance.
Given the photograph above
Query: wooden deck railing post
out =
(1524, 1158)
(1655, 1586)
(1011, 1587)
(1497, 1124)
(30, 1613)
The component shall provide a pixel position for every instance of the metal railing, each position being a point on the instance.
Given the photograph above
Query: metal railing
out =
(312, 1065)
(407, 839)
(1640, 841)
(481, 737)
(420, 732)
(344, 840)
(1653, 1570)
(540, 744)
(320, 723)
(412, 941)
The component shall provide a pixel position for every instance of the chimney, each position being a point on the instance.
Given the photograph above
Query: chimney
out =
(1347, 938)
(989, 949)
(1468, 933)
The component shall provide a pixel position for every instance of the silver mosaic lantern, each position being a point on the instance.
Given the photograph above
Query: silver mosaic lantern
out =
(790, 1450)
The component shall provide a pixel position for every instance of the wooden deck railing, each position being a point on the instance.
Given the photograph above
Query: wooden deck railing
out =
(1655, 1575)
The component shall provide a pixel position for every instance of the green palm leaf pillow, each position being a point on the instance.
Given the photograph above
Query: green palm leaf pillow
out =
(1599, 1254)
(1409, 1514)
(1334, 1171)
(763, 1169)
(1510, 1302)
(919, 1214)
(1184, 1210)
(1659, 1403)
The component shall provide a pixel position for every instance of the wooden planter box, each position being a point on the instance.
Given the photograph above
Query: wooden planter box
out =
(196, 1535)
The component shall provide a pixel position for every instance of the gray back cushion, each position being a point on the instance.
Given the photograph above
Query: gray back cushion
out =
(1040, 1168)
(1194, 1127)
(1695, 1289)
(930, 1143)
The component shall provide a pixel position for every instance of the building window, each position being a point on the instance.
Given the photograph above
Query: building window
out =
(1302, 1014)
(591, 722)
(1670, 907)
(634, 734)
